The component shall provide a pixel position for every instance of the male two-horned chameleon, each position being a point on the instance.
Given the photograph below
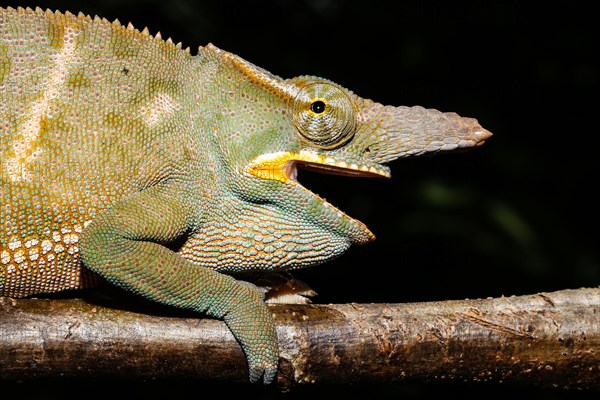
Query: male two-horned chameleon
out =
(114, 144)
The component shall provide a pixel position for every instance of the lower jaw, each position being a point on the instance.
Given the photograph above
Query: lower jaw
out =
(322, 213)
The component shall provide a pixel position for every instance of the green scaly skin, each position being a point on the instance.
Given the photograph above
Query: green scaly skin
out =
(115, 144)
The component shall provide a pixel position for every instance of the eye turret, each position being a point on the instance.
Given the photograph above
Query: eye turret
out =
(324, 115)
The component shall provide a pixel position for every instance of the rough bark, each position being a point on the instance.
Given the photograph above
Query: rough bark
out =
(547, 339)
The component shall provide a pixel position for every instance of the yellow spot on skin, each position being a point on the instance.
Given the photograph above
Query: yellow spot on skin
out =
(56, 33)
(5, 62)
(78, 78)
(123, 43)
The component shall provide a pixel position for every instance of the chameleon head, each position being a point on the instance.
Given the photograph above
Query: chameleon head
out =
(318, 125)
(341, 133)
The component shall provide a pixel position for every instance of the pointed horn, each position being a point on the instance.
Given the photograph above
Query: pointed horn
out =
(412, 131)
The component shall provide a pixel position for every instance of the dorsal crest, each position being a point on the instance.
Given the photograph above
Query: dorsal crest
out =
(68, 19)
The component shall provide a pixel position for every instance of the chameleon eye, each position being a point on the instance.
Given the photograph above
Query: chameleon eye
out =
(324, 115)
(317, 106)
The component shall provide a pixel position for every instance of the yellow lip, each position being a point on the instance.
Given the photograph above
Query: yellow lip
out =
(281, 166)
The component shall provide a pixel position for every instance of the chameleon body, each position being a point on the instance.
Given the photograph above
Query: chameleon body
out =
(116, 144)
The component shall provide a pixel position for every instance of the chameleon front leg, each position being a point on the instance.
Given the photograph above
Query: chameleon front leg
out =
(125, 244)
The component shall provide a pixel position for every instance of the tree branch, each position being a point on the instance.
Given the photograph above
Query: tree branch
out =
(547, 339)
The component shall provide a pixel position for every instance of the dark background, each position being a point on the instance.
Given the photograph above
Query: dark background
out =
(516, 216)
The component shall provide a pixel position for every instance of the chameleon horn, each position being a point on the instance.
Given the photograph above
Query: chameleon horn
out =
(412, 131)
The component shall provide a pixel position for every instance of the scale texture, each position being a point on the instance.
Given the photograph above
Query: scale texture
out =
(125, 158)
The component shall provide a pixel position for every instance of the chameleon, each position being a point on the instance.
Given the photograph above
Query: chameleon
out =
(126, 159)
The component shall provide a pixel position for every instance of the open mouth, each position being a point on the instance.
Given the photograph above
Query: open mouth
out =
(283, 166)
